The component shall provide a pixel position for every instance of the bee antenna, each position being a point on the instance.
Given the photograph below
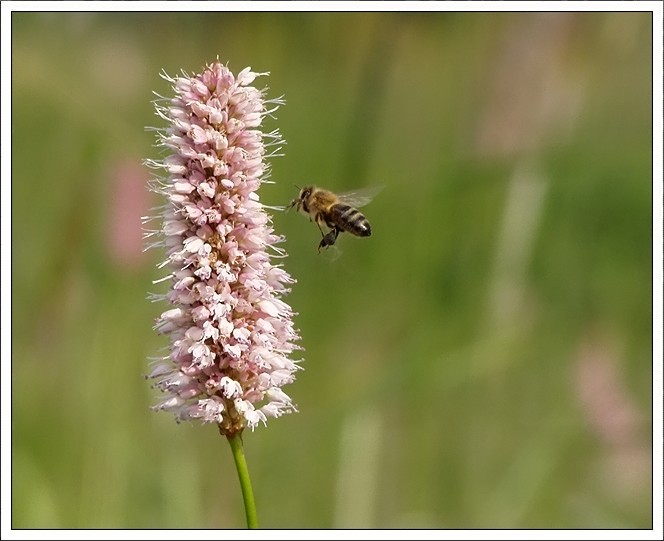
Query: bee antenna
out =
(297, 186)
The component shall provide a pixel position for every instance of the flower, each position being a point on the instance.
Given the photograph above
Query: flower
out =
(231, 334)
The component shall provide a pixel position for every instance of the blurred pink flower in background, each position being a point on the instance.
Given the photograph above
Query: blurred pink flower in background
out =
(128, 202)
(613, 417)
(231, 334)
(535, 95)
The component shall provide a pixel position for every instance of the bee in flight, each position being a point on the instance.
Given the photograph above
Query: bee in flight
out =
(337, 212)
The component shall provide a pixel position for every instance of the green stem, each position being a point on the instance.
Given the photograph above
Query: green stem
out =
(245, 482)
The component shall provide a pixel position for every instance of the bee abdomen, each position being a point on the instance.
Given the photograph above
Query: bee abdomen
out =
(351, 220)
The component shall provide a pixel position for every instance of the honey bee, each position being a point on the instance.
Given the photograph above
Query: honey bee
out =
(337, 212)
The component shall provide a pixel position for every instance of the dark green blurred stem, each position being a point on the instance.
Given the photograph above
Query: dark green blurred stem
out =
(364, 120)
(245, 482)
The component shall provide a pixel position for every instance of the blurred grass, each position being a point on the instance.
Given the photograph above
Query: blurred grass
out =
(468, 362)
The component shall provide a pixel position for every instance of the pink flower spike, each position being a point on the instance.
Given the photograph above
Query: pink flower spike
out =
(231, 333)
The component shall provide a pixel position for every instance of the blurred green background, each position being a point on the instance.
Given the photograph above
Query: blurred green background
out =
(482, 361)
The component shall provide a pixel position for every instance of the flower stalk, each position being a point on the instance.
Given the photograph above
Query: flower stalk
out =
(245, 482)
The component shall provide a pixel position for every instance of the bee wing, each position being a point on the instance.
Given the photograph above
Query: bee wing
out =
(331, 253)
(361, 197)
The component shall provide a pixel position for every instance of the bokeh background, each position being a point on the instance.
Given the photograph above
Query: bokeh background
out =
(482, 361)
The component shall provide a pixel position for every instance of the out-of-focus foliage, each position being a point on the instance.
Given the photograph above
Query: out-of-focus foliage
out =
(483, 360)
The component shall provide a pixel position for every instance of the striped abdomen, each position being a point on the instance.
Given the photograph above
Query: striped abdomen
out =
(349, 219)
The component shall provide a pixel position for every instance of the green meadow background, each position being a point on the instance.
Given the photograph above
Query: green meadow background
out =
(482, 361)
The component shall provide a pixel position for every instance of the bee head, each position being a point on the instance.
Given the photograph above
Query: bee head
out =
(299, 201)
(305, 192)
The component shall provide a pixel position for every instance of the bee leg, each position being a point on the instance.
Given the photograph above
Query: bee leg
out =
(329, 239)
(319, 220)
